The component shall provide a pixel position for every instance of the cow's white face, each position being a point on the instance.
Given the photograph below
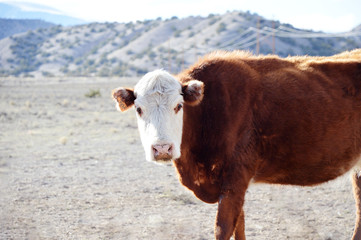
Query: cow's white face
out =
(158, 99)
(159, 106)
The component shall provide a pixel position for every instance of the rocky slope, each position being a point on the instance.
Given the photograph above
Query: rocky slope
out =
(129, 49)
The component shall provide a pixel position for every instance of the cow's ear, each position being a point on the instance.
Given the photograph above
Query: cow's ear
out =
(193, 92)
(124, 98)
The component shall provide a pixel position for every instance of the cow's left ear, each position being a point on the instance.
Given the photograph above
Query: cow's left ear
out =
(193, 92)
(124, 98)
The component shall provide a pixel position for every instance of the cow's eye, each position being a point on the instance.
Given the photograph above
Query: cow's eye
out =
(178, 108)
(139, 111)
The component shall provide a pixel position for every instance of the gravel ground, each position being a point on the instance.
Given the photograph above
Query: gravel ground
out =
(72, 167)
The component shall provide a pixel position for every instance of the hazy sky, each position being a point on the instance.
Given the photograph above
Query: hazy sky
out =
(324, 15)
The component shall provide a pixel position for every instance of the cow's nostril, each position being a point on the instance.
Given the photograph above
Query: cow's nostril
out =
(170, 149)
(155, 151)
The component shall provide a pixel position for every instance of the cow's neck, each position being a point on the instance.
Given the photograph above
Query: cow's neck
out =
(197, 177)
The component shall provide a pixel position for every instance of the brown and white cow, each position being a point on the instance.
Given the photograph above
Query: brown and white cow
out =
(233, 118)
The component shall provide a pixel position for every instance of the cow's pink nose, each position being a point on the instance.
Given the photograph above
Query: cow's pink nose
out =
(162, 151)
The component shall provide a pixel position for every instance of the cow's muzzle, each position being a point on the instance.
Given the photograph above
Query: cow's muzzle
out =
(163, 152)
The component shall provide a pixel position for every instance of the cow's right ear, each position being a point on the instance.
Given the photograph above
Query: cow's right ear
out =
(124, 98)
(193, 92)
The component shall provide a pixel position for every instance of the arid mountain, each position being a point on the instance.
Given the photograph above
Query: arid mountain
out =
(129, 49)
(10, 27)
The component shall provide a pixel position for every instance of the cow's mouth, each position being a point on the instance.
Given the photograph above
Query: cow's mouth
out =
(164, 161)
(164, 158)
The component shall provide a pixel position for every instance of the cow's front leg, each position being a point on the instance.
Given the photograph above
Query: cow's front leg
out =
(239, 232)
(230, 215)
(356, 182)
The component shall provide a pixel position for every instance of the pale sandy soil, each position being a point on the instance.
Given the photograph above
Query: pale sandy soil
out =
(72, 167)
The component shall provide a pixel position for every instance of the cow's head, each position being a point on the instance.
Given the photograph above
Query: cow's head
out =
(158, 99)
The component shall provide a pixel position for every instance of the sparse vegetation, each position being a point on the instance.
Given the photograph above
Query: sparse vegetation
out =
(93, 93)
(212, 20)
(221, 28)
(177, 33)
(47, 74)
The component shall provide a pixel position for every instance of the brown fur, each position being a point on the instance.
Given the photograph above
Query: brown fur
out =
(286, 121)
(193, 94)
(124, 98)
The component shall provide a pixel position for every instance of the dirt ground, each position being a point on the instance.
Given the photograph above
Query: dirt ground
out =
(72, 167)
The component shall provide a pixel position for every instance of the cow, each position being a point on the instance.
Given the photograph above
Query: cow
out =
(235, 119)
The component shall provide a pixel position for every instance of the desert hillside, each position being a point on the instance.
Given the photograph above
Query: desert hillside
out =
(130, 49)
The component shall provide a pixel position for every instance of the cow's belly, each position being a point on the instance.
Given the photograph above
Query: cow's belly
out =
(306, 174)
